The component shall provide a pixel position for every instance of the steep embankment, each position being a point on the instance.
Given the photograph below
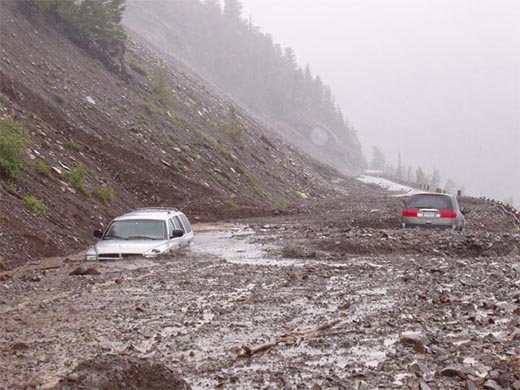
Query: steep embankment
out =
(101, 144)
(246, 63)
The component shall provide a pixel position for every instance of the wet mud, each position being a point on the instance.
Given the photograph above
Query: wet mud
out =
(251, 306)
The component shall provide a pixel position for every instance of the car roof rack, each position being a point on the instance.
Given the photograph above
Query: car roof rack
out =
(152, 209)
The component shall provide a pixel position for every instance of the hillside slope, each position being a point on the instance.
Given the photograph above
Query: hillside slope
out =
(246, 63)
(101, 145)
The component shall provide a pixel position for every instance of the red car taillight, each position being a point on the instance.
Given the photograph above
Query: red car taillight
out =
(410, 212)
(448, 214)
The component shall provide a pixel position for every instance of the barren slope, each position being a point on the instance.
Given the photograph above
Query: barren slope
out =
(78, 112)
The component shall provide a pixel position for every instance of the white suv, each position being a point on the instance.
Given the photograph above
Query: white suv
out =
(142, 233)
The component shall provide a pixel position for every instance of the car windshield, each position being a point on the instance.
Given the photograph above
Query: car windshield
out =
(438, 202)
(136, 229)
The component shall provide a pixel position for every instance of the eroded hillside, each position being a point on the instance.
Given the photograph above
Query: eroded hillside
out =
(101, 144)
(229, 50)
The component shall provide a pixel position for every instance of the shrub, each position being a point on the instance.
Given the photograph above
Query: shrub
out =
(274, 175)
(13, 140)
(77, 177)
(59, 98)
(143, 118)
(106, 192)
(161, 85)
(234, 129)
(230, 203)
(282, 203)
(261, 193)
(301, 195)
(46, 144)
(72, 145)
(92, 24)
(34, 204)
(42, 168)
(137, 66)
(3, 267)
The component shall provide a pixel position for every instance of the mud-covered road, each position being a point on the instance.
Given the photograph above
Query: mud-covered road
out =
(309, 301)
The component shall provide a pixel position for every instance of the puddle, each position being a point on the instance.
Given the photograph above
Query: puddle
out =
(233, 246)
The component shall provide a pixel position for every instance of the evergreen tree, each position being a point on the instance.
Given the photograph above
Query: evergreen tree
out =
(420, 176)
(233, 9)
(435, 180)
(378, 159)
(400, 171)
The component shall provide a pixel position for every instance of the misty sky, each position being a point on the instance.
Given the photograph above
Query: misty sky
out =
(436, 80)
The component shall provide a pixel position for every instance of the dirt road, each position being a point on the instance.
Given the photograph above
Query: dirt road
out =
(301, 302)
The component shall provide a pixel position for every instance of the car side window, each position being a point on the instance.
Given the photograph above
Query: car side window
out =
(178, 224)
(171, 226)
(186, 223)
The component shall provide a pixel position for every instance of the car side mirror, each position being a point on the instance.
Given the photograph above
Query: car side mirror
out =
(465, 210)
(98, 233)
(177, 233)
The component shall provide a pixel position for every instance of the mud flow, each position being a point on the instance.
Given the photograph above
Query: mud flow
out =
(261, 306)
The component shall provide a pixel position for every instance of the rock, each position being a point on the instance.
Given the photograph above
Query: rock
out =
(491, 384)
(418, 369)
(424, 386)
(471, 385)
(516, 334)
(453, 372)
(85, 271)
(506, 306)
(73, 377)
(19, 347)
(416, 340)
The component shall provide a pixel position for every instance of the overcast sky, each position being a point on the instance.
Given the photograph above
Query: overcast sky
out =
(436, 80)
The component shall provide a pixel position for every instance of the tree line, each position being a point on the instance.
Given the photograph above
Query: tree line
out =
(410, 174)
(232, 52)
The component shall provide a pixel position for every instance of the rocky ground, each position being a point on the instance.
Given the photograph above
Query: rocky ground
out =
(333, 296)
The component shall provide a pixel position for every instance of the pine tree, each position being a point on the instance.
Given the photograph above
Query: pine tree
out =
(233, 9)
(399, 172)
(435, 180)
(420, 177)
(378, 159)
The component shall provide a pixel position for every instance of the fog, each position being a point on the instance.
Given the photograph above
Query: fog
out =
(437, 81)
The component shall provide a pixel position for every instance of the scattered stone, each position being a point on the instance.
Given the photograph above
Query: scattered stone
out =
(453, 372)
(19, 347)
(491, 384)
(424, 386)
(85, 271)
(418, 369)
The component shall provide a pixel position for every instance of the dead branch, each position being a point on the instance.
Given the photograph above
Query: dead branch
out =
(290, 339)
(317, 329)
